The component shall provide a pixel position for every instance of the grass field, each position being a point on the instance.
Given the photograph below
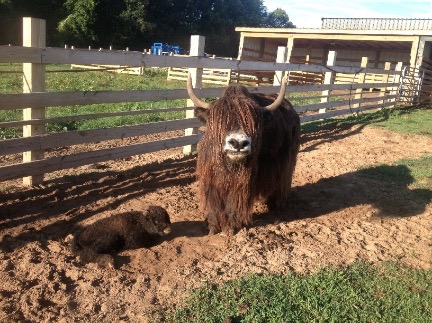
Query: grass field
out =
(416, 121)
(58, 79)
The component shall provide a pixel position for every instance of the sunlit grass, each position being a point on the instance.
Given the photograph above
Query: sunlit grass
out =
(358, 293)
(415, 121)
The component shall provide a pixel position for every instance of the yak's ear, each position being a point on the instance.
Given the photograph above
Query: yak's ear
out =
(202, 114)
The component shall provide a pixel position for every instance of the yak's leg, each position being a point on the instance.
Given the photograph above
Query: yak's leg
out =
(275, 202)
(278, 199)
(233, 224)
(104, 260)
(213, 223)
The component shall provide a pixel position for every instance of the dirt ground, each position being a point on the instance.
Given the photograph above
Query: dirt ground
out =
(336, 217)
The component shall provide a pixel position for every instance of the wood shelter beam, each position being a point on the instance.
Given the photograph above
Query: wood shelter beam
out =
(299, 31)
(333, 36)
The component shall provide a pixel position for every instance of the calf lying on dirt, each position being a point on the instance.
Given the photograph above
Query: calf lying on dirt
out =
(99, 241)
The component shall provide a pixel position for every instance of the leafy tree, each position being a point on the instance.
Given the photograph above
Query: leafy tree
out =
(278, 19)
(12, 12)
(220, 23)
(215, 19)
(103, 23)
(137, 24)
(78, 27)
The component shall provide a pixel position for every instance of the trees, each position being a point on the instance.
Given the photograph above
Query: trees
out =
(79, 23)
(137, 24)
(218, 23)
(278, 19)
(12, 11)
(103, 23)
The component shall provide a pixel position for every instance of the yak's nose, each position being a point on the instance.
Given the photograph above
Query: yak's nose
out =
(238, 144)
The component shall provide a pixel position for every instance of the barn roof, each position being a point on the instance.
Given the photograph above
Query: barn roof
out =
(349, 39)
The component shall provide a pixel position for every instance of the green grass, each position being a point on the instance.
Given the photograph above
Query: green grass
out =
(358, 293)
(414, 172)
(415, 121)
(92, 81)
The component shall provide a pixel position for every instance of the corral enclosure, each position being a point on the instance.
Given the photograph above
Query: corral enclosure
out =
(340, 211)
(328, 99)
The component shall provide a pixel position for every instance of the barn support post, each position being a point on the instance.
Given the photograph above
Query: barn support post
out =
(290, 46)
(361, 79)
(420, 52)
(34, 35)
(196, 49)
(328, 78)
(280, 58)
(398, 88)
(385, 79)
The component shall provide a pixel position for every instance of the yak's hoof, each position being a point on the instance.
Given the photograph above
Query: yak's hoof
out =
(213, 230)
(228, 232)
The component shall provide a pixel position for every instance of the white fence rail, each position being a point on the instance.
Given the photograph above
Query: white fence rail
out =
(336, 99)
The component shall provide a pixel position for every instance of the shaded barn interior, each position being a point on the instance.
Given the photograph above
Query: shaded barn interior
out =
(402, 40)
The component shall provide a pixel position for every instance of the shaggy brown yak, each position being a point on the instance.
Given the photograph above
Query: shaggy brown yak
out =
(247, 153)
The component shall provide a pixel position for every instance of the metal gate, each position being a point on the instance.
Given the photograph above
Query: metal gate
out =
(415, 86)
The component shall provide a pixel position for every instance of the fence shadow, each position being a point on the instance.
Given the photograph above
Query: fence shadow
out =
(331, 130)
(384, 187)
(64, 202)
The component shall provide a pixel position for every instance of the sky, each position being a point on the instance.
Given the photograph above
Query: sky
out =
(308, 13)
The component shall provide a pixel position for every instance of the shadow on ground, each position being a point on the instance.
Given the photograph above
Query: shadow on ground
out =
(55, 207)
(384, 187)
(330, 130)
(57, 202)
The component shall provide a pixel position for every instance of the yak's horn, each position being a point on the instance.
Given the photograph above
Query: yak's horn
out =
(280, 96)
(196, 100)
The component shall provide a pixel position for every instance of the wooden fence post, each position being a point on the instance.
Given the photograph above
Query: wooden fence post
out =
(361, 79)
(281, 57)
(328, 78)
(34, 35)
(196, 49)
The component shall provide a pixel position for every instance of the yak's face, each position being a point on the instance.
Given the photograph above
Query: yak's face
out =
(157, 220)
(234, 141)
(234, 121)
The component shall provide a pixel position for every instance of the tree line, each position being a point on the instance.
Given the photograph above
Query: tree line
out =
(137, 24)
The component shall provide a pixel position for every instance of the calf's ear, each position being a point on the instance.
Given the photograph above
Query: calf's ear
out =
(202, 114)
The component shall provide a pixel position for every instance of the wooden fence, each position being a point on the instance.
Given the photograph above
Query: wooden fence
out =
(331, 100)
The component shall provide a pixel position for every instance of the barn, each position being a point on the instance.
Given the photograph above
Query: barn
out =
(380, 39)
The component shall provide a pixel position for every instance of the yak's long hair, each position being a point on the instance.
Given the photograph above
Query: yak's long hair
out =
(226, 189)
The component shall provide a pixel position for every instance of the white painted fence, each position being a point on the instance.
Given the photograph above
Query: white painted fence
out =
(34, 56)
